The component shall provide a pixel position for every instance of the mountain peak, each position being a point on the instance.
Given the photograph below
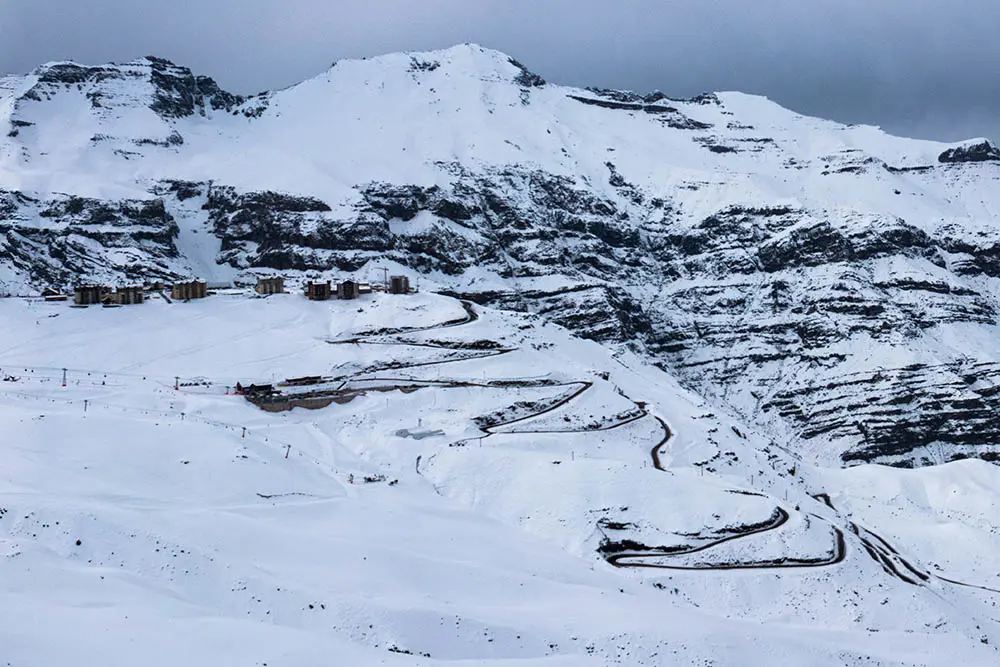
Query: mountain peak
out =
(175, 91)
(467, 59)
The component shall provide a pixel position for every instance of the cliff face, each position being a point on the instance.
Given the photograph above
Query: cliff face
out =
(58, 240)
(835, 285)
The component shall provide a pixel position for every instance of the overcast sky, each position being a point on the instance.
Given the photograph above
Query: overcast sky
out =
(928, 68)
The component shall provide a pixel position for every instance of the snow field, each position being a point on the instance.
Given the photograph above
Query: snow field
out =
(194, 535)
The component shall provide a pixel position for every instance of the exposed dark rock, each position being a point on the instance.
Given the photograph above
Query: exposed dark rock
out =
(172, 139)
(949, 409)
(904, 170)
(981, 256)
(423, 65)
(525, 77)
(983, 151)
(670, 115)
(653, 97)
(704, 99)
(179, 93)
(183, 190)
(176, 91)
(85, 237)
(283, 231)
(822, 243)
(71, 73)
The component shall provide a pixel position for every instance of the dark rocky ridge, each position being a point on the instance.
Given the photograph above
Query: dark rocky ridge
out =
(476, 222)
(766, 293)
(983, 151)
(526, 78)
(180, 93)
(916, 415)
(177, 92)
(57, 241)
(668, 115)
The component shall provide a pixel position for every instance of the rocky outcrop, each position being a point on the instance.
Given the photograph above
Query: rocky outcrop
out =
(915, 415)
(518, 221)
(282, 231)
(525, 77)
(823, 243)
(173, 91)
(179, 93)
(668, 115)
(983, 151)
(63, 240)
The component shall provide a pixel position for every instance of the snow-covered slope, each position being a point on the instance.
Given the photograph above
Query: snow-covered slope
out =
(483, 488)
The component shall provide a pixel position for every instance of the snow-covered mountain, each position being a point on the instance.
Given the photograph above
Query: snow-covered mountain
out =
(768, 301)
(831, 282)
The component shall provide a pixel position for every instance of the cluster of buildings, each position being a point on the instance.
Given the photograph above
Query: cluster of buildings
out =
(91, 294)
(128, 295)
(87, 295)
(324, 291)
(352, 289)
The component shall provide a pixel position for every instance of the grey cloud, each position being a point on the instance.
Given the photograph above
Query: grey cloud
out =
(919, 68)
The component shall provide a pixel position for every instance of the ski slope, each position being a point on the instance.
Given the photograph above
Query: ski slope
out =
(147, 524)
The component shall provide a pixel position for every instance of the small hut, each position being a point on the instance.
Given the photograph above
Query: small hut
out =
(50, 294)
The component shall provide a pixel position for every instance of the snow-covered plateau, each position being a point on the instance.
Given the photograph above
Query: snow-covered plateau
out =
(685, 382)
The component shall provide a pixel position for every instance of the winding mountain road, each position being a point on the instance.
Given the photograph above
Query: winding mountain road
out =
(892, 562)
(621, 560)
(781, 516)
(838, 554)
(657, 449)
